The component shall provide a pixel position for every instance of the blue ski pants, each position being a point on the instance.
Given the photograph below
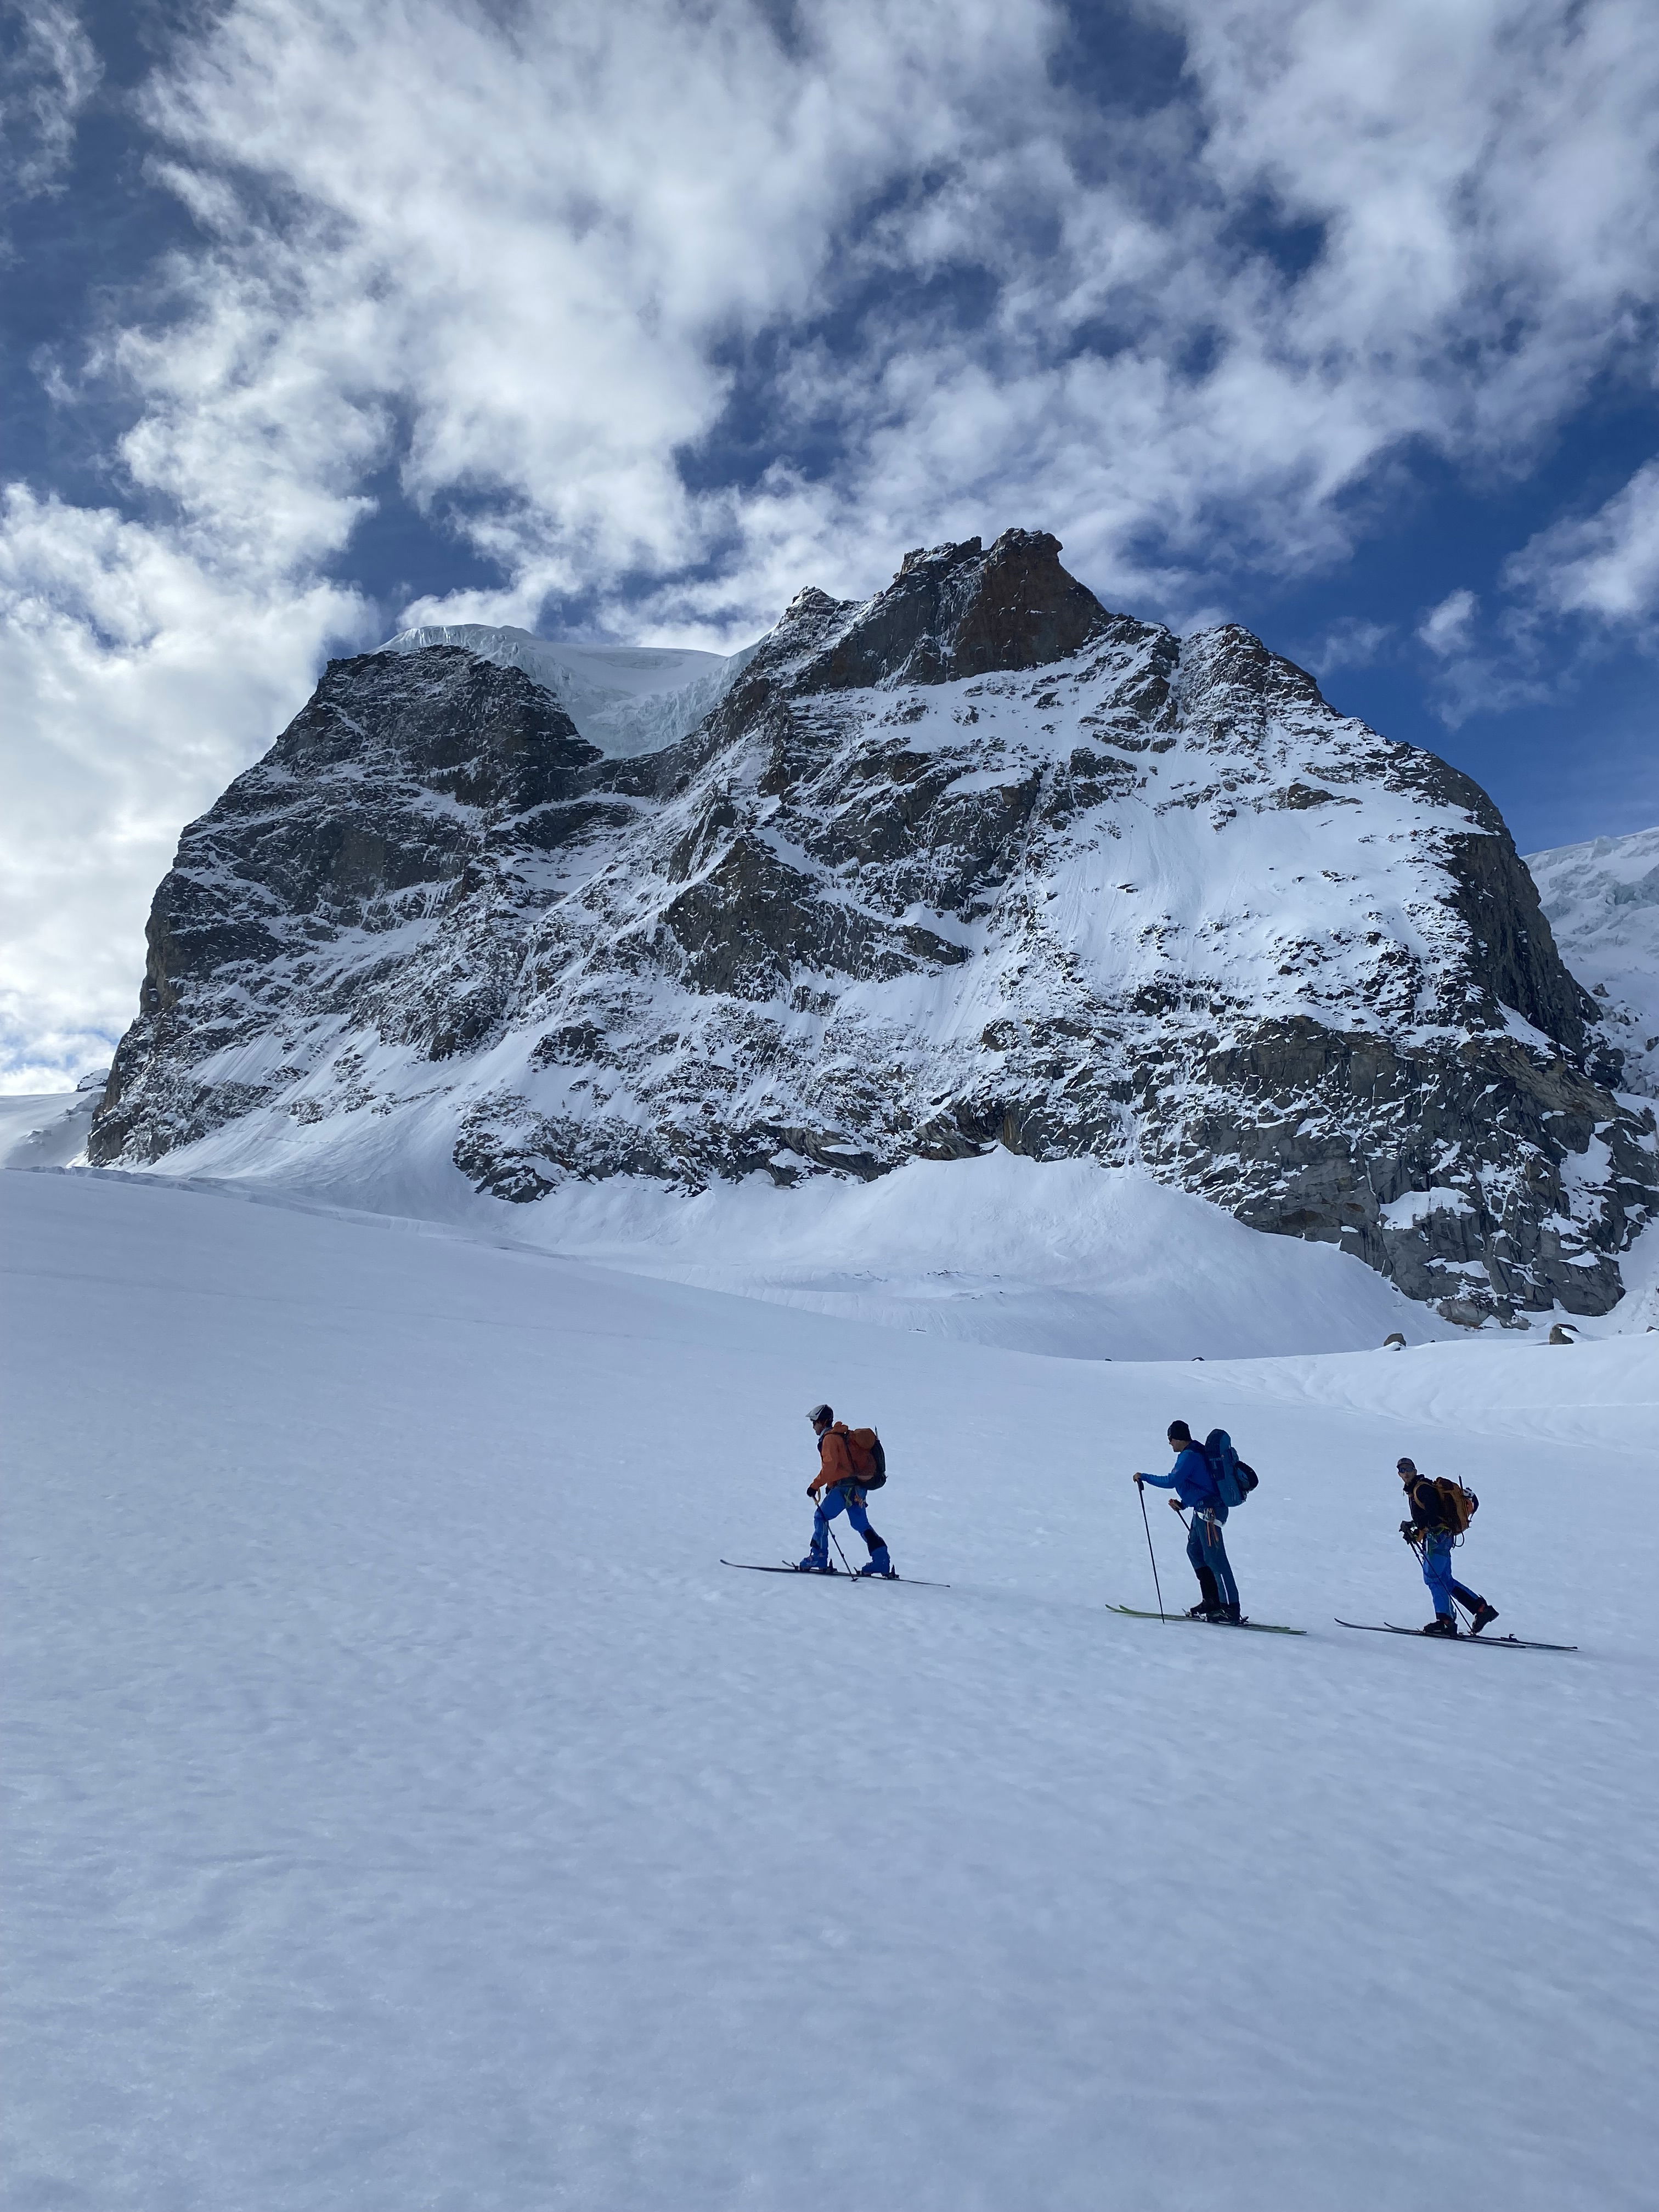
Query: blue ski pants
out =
(1209, 1555)
(840, 1498)
(1438, 1574)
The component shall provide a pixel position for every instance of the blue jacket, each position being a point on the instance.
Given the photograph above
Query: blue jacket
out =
(1190, 1479)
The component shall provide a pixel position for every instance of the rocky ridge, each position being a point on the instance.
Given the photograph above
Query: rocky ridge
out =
(973, 862)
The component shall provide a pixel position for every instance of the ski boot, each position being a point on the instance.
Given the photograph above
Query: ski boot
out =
(1484, 1614)
(1444, 1623)
(815, 1564)
(1228, 1614)
(879, 1565)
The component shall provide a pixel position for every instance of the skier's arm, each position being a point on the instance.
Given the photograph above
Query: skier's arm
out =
(1159, 1481)
(834, 1465)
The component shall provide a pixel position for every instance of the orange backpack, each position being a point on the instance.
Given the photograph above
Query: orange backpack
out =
(869, 1460)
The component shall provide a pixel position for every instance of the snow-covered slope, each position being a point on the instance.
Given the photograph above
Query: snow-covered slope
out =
(625, 699)
(1068, 1258)
(49, 1130)
(406, 1809)
(973, 863)
(1603, 900)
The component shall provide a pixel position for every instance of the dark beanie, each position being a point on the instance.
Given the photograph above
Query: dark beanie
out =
(1180, 1433)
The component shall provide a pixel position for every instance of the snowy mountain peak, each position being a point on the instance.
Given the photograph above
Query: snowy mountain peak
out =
(953, 611)
(973, 863)
(1603, 900)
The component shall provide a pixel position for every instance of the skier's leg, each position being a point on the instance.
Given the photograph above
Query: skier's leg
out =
(880, 1563)
(1208, 1591)
(1221, 1568)
(829, 1503)
(1481, 1615)
(1437, 1573)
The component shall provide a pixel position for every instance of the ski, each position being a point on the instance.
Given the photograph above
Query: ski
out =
(825, 1575)
(1261, 1627)
(1516, 1643)
(831, 1574)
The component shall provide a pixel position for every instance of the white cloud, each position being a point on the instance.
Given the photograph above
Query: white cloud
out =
(535, 255)
(1445, 629)
(1598, 573)
(137, 686)
(48, 72)
(1605, 566)
(543, 249)
(1352, 642)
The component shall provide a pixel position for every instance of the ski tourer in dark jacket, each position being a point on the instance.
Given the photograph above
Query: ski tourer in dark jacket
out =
(1431, 1534)
(1193, 1480)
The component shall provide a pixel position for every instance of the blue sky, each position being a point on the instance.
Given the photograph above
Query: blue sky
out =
(621, 319)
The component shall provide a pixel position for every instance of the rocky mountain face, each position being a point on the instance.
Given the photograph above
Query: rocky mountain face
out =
(974, 862)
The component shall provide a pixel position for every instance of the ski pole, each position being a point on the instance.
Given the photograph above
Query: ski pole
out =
(1140, 1488)
(845, 1561)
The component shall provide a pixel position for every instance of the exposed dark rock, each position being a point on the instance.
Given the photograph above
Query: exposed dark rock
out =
(957, 611)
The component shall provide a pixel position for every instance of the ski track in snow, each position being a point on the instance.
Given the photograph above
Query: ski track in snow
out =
(407, 1809)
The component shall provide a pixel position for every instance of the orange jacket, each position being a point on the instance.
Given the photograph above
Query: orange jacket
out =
(835, 1460)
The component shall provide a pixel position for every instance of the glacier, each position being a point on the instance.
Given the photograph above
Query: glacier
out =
(623, 699)
(406, 1807)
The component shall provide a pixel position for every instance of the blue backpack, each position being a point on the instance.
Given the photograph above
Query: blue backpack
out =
(1233, 1479)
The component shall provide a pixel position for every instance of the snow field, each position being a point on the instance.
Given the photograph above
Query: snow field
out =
(407, 1810)
(1065, 1257)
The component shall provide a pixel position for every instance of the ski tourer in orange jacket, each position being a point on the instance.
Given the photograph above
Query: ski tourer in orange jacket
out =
(835, 1460)
(835, 1488)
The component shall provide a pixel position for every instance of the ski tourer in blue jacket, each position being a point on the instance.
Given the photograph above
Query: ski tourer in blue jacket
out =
(1191, 1477)
(1193, 1480)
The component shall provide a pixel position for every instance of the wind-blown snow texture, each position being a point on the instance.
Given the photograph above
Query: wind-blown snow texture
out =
(1603, 900)
(407, 1809)
(973, 863)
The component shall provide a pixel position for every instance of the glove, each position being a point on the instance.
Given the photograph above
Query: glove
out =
(1410, 1531)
